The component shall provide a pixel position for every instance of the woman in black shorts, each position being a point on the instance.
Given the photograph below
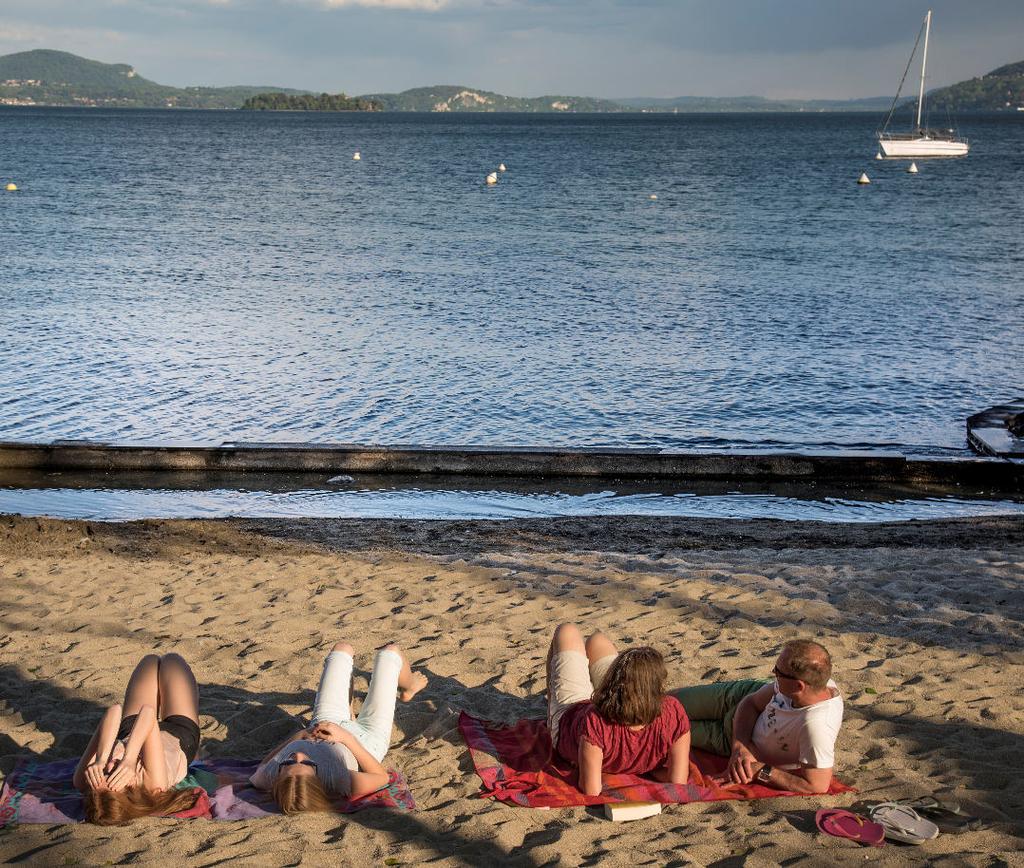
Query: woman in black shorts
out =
(142, 749)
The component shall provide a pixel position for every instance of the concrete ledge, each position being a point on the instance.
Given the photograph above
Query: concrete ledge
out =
(865, 467)
(998, 431)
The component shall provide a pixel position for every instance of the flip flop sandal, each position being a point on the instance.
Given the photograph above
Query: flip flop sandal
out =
(845, 824)
(944, 814)
(952, 821)
(928, 802)
(903, 823)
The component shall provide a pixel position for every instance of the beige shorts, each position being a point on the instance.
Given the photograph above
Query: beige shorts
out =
(572, 679)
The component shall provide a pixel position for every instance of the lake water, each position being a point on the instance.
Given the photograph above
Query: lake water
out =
(212, 276)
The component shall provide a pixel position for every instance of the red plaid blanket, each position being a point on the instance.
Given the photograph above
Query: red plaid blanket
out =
(517, 765)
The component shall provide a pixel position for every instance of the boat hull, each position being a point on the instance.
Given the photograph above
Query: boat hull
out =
(923, 147)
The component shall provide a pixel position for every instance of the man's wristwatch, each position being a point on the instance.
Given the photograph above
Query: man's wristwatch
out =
(764, 774)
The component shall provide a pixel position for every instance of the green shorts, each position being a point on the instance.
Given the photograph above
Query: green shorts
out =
(711, 709)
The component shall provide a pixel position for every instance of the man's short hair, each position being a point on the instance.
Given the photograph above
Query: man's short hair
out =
(810, 662)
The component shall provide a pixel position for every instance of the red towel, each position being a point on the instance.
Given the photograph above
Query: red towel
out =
(517, 765)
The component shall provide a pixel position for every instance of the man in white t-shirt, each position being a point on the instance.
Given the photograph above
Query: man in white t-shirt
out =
(781, 734)
(784, 734)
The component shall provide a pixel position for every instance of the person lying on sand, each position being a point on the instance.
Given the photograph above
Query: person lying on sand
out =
(335, 755)
(142, 749)
(781, 733)
(608, 712)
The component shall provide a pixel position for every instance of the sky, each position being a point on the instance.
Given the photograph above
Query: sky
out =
(603, 48)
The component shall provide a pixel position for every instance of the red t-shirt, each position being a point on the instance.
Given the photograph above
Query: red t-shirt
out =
(625, 751)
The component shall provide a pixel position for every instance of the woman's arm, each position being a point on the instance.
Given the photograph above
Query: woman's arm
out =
(89, 771)
(154, 762)
(124, 774)
(679, 760)
(590, 760)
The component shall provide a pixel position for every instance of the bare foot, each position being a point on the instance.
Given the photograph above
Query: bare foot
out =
(419, 681)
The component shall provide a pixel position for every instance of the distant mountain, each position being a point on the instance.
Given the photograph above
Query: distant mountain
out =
(57, 78)
(44, 77)
(1000, 90)
(754, 104)
(457, 98)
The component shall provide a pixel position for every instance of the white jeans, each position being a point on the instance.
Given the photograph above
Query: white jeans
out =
(372, 726)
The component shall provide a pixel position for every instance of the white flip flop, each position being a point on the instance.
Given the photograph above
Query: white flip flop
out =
(903, 823)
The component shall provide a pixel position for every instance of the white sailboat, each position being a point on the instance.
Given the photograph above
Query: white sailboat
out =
(920, 142)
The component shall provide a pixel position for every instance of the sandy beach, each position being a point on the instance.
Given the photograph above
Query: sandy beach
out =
(925, 621)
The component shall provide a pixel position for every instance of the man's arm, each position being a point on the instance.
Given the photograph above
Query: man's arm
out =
(743, 762)
(589, 760)
(803, 780)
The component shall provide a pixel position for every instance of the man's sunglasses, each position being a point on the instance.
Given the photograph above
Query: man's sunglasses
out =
(292, 762)
(780, 674)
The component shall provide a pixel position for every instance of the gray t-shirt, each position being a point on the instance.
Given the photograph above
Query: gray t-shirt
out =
(334, 765)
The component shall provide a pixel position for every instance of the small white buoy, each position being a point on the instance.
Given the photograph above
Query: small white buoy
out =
(10, 188)
(492, 179)
(501, 168)
(879, 156)
(654, 195)
(356, 156)
(913, 169)
(863, 179)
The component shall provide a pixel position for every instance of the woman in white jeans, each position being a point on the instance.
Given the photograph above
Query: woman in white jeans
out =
(335, 755)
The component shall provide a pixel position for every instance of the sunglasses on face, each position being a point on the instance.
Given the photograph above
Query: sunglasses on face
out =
(778, 673)
(293, 761)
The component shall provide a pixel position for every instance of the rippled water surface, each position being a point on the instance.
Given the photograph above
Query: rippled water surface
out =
(118, 504)
(216, 276)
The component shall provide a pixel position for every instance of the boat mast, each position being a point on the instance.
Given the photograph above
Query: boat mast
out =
(924, 63)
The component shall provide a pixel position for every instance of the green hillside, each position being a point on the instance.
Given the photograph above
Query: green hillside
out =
(456, 98)
(1000, 90)
(44, 77)
(308, 102)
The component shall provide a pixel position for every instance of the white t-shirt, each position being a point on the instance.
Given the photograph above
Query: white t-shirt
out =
(334, 765)
(788, 737)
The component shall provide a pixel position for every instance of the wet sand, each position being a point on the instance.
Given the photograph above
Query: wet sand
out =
(925, 621)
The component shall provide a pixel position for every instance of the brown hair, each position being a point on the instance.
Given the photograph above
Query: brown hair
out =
(107, 808)
(297, 793)
(810, 662)
(632, 691)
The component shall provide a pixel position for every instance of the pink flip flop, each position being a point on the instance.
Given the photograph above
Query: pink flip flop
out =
(846, 824)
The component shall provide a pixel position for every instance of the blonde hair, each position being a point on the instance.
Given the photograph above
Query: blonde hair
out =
(107, 808)
(633, 689)
(295, 794)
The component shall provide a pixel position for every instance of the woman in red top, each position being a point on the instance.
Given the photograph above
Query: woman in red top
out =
(608, 712)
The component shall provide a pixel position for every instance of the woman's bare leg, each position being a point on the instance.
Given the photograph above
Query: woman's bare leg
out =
(567, 637)
(598, 646)
(179, 693)
(143, 687)
(409, 683)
